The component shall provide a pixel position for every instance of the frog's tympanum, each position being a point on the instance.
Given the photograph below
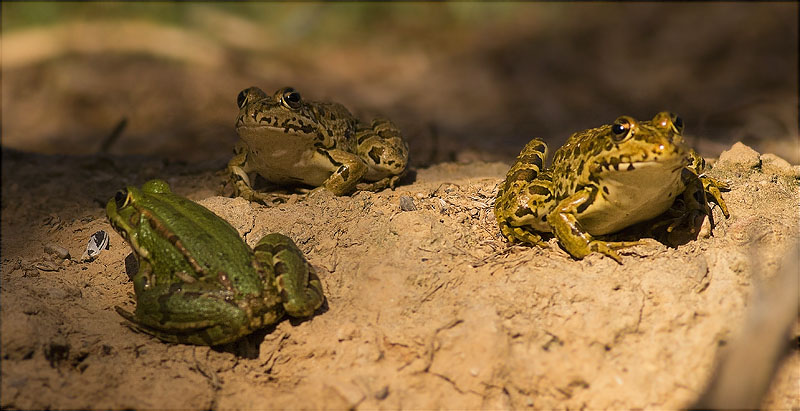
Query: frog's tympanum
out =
(291, 141)
(198, 281)
(603, 180)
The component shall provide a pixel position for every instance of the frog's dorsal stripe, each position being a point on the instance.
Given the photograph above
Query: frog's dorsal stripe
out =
(164, 232)
(207, 243)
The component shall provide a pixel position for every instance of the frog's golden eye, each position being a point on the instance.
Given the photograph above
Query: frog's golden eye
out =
(669, 122)
(121, 198)
(622, 128)
(291, 98)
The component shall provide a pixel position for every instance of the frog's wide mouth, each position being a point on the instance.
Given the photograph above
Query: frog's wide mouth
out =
(672, 163)
(278, 130)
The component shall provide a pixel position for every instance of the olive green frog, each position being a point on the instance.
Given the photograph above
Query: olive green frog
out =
(603, 180)
(289, 140)
(198, 282)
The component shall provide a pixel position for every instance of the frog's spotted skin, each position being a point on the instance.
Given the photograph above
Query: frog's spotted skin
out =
(290, 141)
(603, 180)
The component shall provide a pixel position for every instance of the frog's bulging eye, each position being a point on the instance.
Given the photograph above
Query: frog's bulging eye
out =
(121, 198)
(669, 122)
(677, 121)
(621, 129)
(241, 99)
(291, 98)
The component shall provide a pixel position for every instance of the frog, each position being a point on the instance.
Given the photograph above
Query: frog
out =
(603, 180)
(198, 282)
(291, 141)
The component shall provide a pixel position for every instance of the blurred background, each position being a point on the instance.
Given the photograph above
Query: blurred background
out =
(464, 81)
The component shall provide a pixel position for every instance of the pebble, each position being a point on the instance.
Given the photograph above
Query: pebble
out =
(56, 250)
(382, 393)
(407, 203)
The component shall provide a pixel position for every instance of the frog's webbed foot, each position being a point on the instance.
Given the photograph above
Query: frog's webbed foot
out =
(387, 182)
(240, 180)
(522, 235)
(712, 187)
(298, 284)
(242, 186)
(267, 199)
(690, 210)
(608, 247)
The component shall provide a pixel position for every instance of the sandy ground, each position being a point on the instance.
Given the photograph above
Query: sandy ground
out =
(425, 309)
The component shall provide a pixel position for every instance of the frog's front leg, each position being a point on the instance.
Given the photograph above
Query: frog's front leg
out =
(693, 207)
(238, 170)
(710, 186)
(566, 227)
(385, 152)
(349, 171)
(197, 313)
(297, 282)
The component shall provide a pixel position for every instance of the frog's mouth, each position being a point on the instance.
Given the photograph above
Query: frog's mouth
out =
(665, 161)
(257, 131)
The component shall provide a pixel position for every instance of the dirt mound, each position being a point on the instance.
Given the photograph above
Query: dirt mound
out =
(426, 308)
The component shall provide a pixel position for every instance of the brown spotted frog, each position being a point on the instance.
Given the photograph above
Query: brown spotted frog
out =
(289, 140)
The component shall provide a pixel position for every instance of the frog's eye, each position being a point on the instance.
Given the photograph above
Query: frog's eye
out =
(241, 99)
(249, 95)
(669, 122)
(677, 122)
(621, 129)
(291, 98)
(121, 198)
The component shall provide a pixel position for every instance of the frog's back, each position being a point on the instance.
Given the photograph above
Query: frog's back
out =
(211, 242)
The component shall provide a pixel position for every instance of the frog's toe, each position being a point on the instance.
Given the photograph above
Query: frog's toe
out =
(519, 234)
(608, 247)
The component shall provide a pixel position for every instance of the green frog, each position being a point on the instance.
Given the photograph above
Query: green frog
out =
(603, 180)
(291, 141)
(198, 281)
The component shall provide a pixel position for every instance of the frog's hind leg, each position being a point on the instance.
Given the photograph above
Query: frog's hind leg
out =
(298, 284)
(385, 152)
(189, 313)
(525, 197)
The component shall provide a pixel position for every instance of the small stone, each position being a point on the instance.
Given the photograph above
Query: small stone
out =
(739, 155)
(57, 250)
(407, 203)
(382, 393)
(772, 164)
